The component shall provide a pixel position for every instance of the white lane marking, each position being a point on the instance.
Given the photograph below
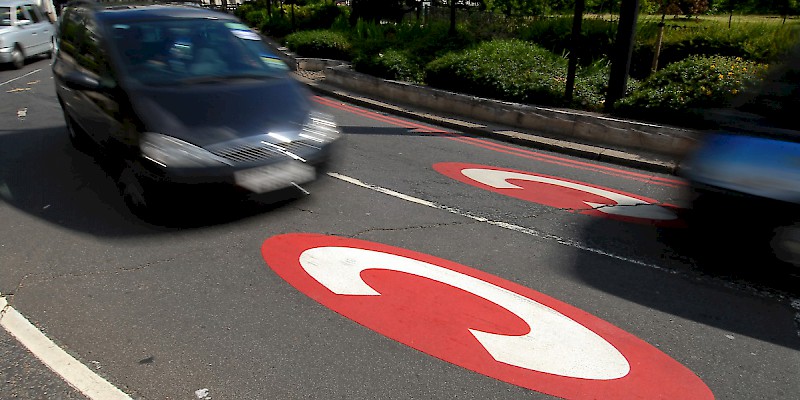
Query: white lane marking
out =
(59, 361)
(555, 344)
(20, 77)
(506, 225)
(643, 209)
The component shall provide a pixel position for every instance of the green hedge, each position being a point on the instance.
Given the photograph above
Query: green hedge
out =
(320, 44)
(391, 64)
(678, 93)
(510, 70)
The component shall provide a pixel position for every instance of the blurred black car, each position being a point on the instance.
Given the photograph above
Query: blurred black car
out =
(746, 171)
(184, 100)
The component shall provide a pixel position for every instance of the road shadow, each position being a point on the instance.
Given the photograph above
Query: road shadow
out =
(690, 275)
(41, 174)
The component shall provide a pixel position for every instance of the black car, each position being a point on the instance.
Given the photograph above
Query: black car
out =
(184, 96)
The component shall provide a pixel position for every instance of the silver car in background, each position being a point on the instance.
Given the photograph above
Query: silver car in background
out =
(25, 31)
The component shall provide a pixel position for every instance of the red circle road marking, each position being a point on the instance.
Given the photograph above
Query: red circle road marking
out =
(563, 193)
(478, 321)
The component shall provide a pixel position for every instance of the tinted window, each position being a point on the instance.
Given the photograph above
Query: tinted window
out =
(5, 16)
(184, 51)
(80, 40)
(34, 13)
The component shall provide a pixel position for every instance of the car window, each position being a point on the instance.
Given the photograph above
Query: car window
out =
(33, 12)
(184, 51)
(22, 16)
(80, 40)
(5, 16)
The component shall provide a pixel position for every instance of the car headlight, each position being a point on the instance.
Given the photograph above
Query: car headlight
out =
(173, 152)
(320, 128)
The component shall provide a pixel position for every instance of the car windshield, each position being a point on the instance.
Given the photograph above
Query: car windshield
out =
(192, 51)
(5, 16)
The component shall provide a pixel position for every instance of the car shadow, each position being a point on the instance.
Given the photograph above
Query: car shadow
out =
(695, 277)
(42, 175)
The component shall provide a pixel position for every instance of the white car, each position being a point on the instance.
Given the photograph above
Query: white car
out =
(25, 31)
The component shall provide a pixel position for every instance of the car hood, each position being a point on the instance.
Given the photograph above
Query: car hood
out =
(208, 114)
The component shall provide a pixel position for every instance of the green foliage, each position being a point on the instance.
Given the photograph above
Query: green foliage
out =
(503, 69)
(554, 34)
(320, 44)
(418, 44)
(686, 86)
(391, 64)
(758, 42)
(276, 26)
(519, 7)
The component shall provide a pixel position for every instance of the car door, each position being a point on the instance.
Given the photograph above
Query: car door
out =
(82, 52)
(41, 30)
(26, 31)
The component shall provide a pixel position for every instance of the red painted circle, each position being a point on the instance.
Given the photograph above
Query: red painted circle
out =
(557, 196)
(434, 318)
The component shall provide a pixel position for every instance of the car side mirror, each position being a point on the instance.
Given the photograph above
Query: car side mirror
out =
(79, 81)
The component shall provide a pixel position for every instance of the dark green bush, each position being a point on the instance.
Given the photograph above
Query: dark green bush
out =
(391, 64)
(319, 44)
(503, 69)
(554, 34)
(276, 26)
(683, 89)
(391, 50)
(758, 42)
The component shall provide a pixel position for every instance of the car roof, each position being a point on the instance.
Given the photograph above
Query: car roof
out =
(143, 10)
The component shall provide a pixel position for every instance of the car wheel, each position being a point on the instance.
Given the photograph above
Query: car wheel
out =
(17, 58)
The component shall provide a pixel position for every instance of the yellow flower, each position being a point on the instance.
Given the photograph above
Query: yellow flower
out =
(744, 69)
(713, 66)
(734, 91)
(721, 76)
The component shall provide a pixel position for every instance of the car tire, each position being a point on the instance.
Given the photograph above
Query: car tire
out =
(17, 58)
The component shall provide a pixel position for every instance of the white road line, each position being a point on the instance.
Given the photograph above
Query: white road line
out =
(59, 361)
(501, 224)
(20, 77)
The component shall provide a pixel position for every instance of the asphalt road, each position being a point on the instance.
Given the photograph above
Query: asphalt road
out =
(212, 309)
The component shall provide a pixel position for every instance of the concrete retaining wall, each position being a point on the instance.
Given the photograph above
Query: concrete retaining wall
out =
(584, 127)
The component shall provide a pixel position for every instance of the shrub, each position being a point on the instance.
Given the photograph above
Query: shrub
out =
(391, 64)
(686, 87)
(758, 42)
(555, 34)
(503, 69)
(418, 44)
(276, 26)
(319, 44)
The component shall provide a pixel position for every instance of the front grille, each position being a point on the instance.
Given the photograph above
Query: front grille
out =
(252, 152)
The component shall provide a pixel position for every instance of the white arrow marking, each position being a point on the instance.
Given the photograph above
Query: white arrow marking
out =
(499, 179)
(557, 345)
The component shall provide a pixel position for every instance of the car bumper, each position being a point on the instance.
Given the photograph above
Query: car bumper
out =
(5, 54)
(225, 181)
